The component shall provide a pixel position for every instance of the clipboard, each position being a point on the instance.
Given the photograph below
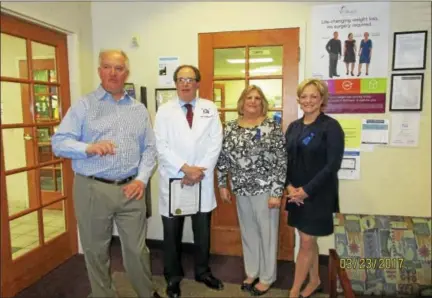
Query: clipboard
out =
(178, 211)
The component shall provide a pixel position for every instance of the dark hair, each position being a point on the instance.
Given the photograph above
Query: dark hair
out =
(195, 70)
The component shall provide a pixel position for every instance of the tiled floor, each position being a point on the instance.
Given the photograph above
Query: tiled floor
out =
(25, 233)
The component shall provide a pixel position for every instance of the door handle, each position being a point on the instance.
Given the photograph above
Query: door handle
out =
(28, 137)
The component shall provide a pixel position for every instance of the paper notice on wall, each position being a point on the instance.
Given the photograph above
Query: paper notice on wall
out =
(375, 131)
(350, 168)
(405, 128)
(352, 130)
(167, 66)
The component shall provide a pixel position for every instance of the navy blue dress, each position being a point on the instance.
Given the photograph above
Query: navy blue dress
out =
(315, 153)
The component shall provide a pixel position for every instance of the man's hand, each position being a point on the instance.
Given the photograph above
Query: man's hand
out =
(225, 195)
(134, 189)
(194, 174)
(274, 202)
(101, 148)
(186, 181)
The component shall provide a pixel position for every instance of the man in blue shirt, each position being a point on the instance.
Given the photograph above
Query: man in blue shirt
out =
(108, 136)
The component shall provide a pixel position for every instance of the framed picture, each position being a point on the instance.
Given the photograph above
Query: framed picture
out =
(130, 89)
(406, 93)
(409, 50)
(162, 95)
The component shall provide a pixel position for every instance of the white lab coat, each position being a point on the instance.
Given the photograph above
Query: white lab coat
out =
(177, 144)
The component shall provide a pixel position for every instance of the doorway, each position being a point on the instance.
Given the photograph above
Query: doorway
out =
(37, 219)
(229, 62)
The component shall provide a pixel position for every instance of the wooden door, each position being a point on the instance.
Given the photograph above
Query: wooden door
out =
(37, 220)
(46, 102)
(233, 61)
(219, 98)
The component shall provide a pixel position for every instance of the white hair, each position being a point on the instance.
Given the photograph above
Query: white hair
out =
(105, 52)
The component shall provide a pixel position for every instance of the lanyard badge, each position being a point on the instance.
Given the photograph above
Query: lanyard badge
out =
(257, 136)
(307, 139)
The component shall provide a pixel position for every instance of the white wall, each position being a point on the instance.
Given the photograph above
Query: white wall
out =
(171, 29)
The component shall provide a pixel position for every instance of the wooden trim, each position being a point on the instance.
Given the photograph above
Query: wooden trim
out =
(253, 38)
(38, 166)
(22, 125)
(218, 79)
(22, 28)
(6, 251)
(204, 43)
(43, 261)
(27, 81)
(30, 210)
(335, 272)
(290, 111)
(67, 172)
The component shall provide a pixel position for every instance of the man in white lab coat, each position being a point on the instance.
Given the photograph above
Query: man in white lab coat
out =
(188, 140)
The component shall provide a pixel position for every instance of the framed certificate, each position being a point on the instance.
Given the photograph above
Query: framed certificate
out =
(409, 50)
(183, 199)
(406, 93)
(163, 95)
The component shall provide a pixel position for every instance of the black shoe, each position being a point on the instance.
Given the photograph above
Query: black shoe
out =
(255, 292)
(173, 289)
(248, 286)
(317, 290)
(156, 295)
(336, 75)
(211, 282)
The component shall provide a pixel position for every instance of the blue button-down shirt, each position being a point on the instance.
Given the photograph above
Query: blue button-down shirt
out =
(97, 117)
(182, 104)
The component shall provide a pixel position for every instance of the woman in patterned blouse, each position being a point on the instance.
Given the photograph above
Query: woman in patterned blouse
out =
(253, 152)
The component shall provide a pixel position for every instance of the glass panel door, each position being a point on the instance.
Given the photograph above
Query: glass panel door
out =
(229, 62)
(38, 226)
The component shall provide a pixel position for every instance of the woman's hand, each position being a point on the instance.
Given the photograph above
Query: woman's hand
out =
(225, 195)
(296, 195)
(274, 202)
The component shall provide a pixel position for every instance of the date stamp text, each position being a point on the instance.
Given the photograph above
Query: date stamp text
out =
(371, 263)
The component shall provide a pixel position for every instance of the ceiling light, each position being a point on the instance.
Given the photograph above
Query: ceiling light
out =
(251, 60)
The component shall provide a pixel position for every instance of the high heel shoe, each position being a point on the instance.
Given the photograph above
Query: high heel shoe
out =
(318, 289)
(247, 287)
(256, 292)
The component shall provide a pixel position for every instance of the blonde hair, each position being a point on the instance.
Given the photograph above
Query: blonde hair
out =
(244, 94)
(102, 53)
(321, 87)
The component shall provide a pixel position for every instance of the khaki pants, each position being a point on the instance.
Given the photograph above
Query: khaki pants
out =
(259, 226)
(97, 205)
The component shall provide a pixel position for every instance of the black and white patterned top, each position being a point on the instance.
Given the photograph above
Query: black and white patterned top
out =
(255, 158)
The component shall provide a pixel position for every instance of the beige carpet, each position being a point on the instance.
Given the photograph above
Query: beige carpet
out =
(191, 288)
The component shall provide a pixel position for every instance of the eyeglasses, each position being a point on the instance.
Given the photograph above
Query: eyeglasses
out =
(186, 80)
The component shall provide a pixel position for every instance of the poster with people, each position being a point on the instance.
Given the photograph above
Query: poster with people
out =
(350, 46)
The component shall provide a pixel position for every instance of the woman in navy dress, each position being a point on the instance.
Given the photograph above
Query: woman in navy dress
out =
(350, 53)
(365, 53)
(315, 147)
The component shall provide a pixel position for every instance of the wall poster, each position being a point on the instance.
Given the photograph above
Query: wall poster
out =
(350, 46)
